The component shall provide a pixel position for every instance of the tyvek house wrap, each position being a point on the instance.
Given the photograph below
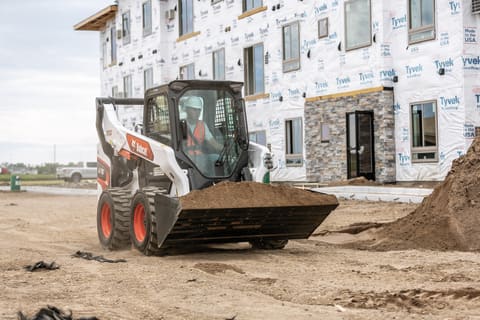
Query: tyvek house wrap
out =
(324, 69)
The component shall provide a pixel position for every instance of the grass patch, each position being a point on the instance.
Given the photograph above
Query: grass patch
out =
(30, 177)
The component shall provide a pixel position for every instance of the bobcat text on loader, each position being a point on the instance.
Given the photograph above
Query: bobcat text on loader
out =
(186, 135)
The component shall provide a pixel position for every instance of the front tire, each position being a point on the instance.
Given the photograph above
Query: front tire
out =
(143, 228)
(113, 219)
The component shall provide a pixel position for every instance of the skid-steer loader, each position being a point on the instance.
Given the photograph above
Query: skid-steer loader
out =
(145, 168)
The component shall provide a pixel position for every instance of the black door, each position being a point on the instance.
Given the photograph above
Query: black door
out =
(360, 145)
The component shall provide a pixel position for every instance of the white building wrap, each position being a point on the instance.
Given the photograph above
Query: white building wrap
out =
(444, 70)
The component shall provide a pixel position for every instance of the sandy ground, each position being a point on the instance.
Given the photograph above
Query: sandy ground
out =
(310, 279)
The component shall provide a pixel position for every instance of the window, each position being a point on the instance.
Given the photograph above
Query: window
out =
(115, 92)
(424, 131)
(325, 132)
(291, 47)
(187, 72)
(186, 16)
(113, 45)
(218, 64)
(421, 20)
(104, 54)
(358, 24)
(259, 137)
(147, 18)
(127, 86)
(126, 27)
(322, 28)
(158, 120)
(148, 78)
(293, 142)
(253, 66)
(251, 4)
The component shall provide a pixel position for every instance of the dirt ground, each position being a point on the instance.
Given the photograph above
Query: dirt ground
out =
(309, 279)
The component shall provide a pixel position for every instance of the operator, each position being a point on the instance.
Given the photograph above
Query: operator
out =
(199, 138)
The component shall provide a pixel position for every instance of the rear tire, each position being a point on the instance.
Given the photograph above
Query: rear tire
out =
(113, 219)
(143, 227)
(268, 244)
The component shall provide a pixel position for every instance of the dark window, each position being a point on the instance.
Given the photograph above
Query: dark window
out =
(218, 58)
(421, 20)
(254, 69)
(251, 4)
(291, 47)
(186, 16)
(424, 131)
(126, 27)
(147, 18)
(357, 24)
(293, 142)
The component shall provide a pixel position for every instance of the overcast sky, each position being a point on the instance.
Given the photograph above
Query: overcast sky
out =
(49, 78)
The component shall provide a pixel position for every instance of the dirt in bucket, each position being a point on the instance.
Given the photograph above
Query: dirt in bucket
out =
(247, 194)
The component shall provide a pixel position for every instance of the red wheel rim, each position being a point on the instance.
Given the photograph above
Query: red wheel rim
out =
(106, 220)
(139, 222)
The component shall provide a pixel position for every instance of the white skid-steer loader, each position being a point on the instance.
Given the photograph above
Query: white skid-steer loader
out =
(145, 168)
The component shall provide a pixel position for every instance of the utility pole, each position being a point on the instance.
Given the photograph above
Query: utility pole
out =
(54, 153)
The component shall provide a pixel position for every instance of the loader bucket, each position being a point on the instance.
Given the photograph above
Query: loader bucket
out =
(180, 223)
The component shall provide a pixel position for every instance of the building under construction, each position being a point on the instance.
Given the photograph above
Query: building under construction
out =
(388, 90)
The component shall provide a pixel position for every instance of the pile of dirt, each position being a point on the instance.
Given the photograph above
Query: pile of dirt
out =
(449, 219)
(248, 194)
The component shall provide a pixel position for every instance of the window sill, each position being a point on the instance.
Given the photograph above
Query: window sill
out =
(257, 96)
(252, 12)
(188, 36)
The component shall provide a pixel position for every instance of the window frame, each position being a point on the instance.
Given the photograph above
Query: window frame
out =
(256, 134)
(361, 45)
(325, 34)
(147, 78)
(159, 126)
(187, 67)
(248, 5)
(113, 45)
(147, 23)
(182, 11)
(126, 28)
(290, 155)
(291, 47)
(415, 31)
(127, 84)
(429, 149)
(253, 71)
(216, 65)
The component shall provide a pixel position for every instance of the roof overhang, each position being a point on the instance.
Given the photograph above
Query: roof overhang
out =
(97, 21)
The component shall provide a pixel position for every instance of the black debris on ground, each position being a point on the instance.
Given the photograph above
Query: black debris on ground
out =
(90, 256)
(52, 313)
(42, 265)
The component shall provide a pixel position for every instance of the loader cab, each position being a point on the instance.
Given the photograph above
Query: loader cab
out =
(205, 123)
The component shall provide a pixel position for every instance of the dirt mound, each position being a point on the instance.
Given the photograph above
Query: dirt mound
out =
(252, 194)
(449, 219)
(359, 181)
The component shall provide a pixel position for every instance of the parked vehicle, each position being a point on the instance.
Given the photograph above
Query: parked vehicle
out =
(76, 174)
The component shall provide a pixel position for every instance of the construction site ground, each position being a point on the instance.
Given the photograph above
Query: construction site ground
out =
(318, 278)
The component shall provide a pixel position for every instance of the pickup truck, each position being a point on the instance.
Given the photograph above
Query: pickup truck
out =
(76, 174)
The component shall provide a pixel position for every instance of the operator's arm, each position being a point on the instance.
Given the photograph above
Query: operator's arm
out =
(212, 143)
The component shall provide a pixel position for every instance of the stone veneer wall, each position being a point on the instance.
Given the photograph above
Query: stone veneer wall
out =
(327, 161)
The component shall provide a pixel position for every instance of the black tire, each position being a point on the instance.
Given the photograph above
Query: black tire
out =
(113, 221)
(143, 227)
(268, 244)
(76, 177)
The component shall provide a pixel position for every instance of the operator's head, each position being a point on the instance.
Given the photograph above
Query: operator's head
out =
(194, 103)
(193, 106)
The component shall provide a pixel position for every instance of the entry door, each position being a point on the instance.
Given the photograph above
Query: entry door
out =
(360, 145)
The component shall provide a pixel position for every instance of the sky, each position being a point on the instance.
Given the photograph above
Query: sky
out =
(49, 78)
